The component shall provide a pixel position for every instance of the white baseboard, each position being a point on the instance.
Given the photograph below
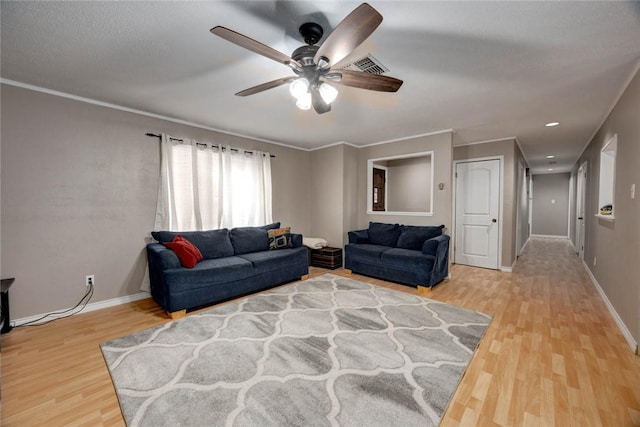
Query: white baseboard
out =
(525, 245)
(506, 269)
(90, 307)
(623, 328)
(549, 236)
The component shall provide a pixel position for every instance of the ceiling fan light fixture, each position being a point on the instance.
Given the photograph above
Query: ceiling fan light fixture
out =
(328, 93)
(299, 87)
(304, 101)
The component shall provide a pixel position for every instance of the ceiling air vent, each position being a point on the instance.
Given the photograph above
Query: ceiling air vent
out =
(368, 64)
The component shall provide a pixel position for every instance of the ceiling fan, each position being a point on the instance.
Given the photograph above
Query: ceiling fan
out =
(312, 64)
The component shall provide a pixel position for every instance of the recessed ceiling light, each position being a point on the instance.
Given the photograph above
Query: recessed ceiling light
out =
(552, 124)
(550, 157)
(550, 169)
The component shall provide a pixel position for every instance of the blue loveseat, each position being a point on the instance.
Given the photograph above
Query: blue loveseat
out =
(411, 255)
(235, 262)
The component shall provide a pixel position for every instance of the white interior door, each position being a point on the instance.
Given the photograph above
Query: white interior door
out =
(580, 209)
(477, 213)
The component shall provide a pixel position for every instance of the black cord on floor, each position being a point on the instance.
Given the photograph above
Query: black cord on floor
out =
(67, 313)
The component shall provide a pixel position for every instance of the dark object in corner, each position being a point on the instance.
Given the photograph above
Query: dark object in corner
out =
(5, 318)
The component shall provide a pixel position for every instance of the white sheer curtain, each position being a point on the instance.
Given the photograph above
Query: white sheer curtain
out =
(204, 186)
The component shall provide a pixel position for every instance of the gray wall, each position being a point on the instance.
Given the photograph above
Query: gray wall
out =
(550, 204)
(616, 245)
(78, 196)
(408, 184)
(512, 155)
(326, 194)
(333, 186)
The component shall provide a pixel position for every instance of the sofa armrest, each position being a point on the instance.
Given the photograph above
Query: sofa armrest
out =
(161, 257)
(296, 240)
(359, 236)
(435, 244)
(438, 247)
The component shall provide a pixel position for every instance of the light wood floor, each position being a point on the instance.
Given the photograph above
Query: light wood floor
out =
(552, 356)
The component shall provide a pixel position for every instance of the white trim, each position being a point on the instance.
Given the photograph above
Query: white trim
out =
(506, 269)
(370, 164)
(333, 144)
(90, 307)
(623, 328)
(525, 244)
(571, 203)
(464, 144)
(550, 236)
(438, 132)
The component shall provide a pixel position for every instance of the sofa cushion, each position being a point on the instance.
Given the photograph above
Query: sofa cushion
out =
(188, 254)
(251, 239)
(207, 273)
(383, 234)
(268, 261)
(413, 237)
(365, 252)
(211, 243)
(407, 259)
(271, 226)
(280, 238)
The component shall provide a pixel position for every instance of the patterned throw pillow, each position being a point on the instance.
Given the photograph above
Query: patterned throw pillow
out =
(188, 254)
(280, 238)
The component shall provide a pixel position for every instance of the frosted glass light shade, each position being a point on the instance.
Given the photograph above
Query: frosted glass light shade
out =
(304, 101)
(299, 87)
(328, 92)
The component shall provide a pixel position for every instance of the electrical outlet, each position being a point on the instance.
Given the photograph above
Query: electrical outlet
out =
(90, 280)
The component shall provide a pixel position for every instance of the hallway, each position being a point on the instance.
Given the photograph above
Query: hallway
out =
(553, 355)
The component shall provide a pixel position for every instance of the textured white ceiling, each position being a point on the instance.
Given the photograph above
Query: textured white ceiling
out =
(487, 70)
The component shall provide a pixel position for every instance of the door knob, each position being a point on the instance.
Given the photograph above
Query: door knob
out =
(494, 220)
(579, 217)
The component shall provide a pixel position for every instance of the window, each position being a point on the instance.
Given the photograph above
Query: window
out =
(606, 203)
(400, 185)
(205, 186)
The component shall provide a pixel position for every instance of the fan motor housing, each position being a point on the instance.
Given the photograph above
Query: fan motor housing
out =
(305, 54)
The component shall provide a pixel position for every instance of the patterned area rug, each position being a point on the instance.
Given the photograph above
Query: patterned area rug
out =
(326, 351)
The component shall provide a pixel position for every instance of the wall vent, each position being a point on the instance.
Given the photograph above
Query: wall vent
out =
(368, 64)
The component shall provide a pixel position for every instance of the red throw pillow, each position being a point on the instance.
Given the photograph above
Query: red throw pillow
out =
(188, 253)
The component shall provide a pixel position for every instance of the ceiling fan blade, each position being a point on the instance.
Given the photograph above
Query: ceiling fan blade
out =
(368, 81)
(252, 45)
(318, 103)
(349, 34)
(266, 86)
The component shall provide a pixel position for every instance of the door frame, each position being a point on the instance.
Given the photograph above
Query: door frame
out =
(500, 158)
(581, 207)
(386, 171)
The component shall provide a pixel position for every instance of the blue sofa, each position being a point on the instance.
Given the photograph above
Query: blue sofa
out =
(235, 262)
(411, 255)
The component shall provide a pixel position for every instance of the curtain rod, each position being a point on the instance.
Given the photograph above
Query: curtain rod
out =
(157, 135)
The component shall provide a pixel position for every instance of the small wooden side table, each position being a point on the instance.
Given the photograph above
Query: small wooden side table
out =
(328, 257)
